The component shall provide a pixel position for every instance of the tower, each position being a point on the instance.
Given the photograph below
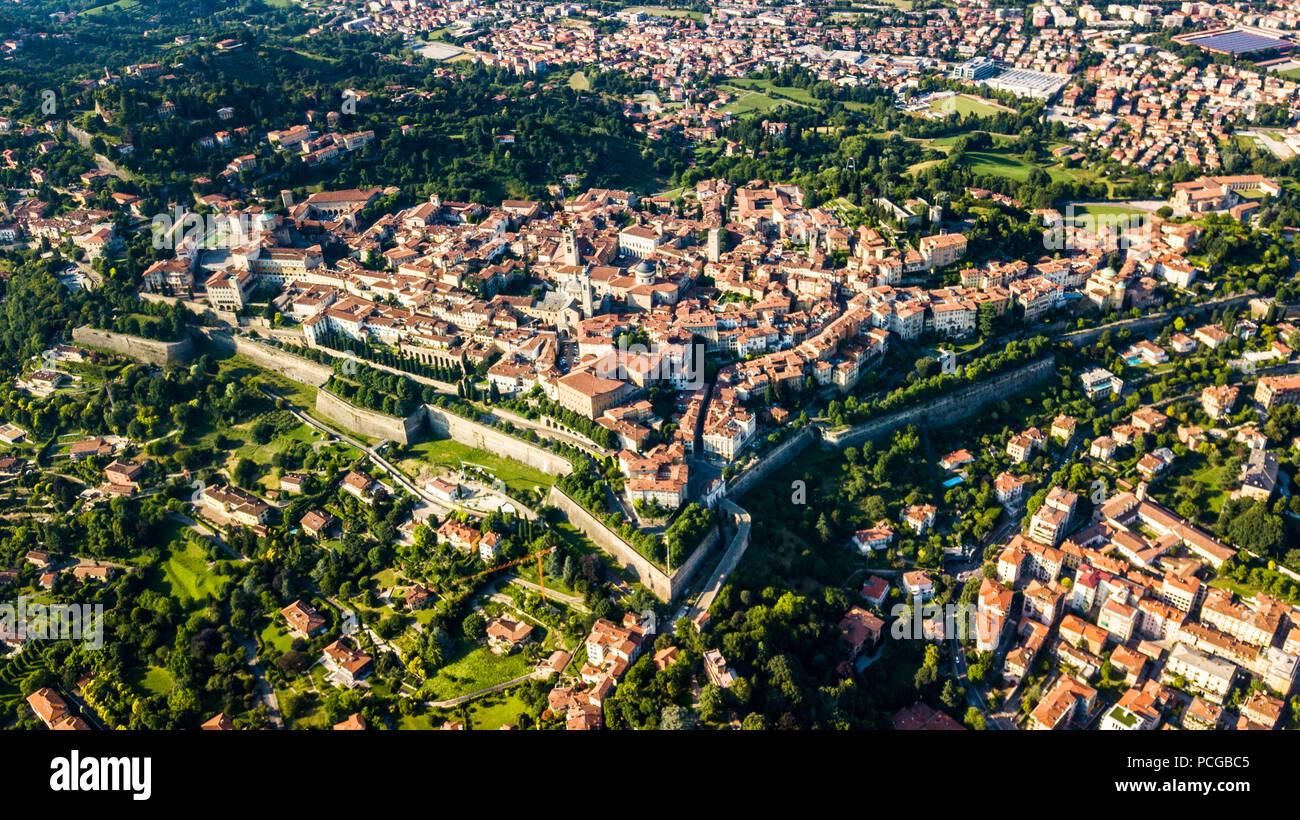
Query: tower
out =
(586, 293)
(714, 248)
(286, 196)
(570, 247)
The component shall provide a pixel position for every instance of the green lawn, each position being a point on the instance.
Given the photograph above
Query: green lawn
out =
(579, 82)
(1212, 478)
(996, 163)
(187, 577)
(1103, 215)
(1001, 165)
(966, 105)
(495, 710)
(660, 11)
(755, 95)
(528, 572)
(156, 681)
(747, 102)
(767, 87)
(302, 395)
(119, 5)
(1202, 472)
(276, 635)
(901, 5)
(415, 722)
(477, 668)
(1102, 209)
(264, 453)
(448, 454)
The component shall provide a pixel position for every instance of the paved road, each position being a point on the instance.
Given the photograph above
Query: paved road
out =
(398, 477)
(730, 560)
(973, 696)
(1276, 146)
(423, 497)
(571, 600)
(264, 690)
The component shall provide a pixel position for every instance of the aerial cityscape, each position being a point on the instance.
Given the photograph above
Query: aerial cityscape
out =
(770, 364)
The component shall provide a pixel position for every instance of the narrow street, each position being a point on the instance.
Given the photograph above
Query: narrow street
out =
(264, 689)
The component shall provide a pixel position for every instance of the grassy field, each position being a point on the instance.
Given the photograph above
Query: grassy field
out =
(1096, 215)
(302, 395)
(660, 11)
(1102, 209)
(997, 163)
(263, 453)
(119, 5)
(155, 680)
(1001, 165)
(276, 635)
(186, 575)
(921, 166)
(965, 104)
(579, 82)
(748, 102)
(448, 454)
(495, 710)
(754, 95)
(1211, 479)
(901, 5)
(477, 668)
(767, 87)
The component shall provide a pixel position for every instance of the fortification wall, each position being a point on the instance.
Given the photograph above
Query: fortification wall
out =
(1154, 321)
(481, 437)
(368, 422)
(682, 575)
(289, 365)
(784, 453)
(664, 587)
(949, 409)
(148, 350)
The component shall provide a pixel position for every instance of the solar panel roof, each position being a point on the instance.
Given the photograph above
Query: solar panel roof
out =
(1239, 42)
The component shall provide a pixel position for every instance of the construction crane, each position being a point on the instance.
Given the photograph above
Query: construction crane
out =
(541, 574)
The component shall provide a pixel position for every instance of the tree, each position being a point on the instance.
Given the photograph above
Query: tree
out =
(261, 431)
(987, 317)
(1252, 528)
(245, 473)
(474, 626)
(754, 721)
(713, 703)
(875, 508)
(676, 718)
(975, 719)
(952, 694)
